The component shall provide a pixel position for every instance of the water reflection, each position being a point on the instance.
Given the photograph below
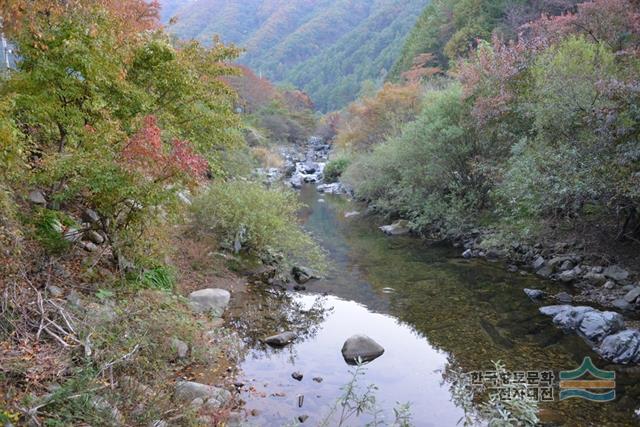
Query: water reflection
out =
(444, 314)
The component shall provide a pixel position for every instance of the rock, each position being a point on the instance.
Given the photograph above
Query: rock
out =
(37, 198)
(158, 423)
(89, 246)
(595, 278)
(197, 402)
(55, 291)
(621, 304)
(632, 295)
(623, 347)
(352, 213)
(297, 376)
(90, 216)
(512, 268)
(187, 391)
(262, 274)
(180, 347)
(609, 284)
(281, 339)
(361, 348)
(596, 325)
(616, 273)
(74, 299)
(568, 276)
(546, 271)
(534, 293)
(102, 405)
(567, 265)
(538, 263)
(302, 274)
(94, 237)
(212, 301)
(401, 226)
(564, 297)
(467, 254)
(303, 418)
(299, 288)
(587, 321)
(318, 379)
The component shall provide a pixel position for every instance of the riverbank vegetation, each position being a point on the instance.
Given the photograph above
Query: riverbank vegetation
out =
(524, 131)
(109, 130)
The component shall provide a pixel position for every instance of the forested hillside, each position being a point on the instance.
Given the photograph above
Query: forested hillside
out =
(449, 29)
(327, 48)
(533, 131)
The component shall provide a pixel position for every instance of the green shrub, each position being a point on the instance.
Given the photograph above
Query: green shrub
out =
(249, 217)
(335, 168)
(161, 278)
(50, 228)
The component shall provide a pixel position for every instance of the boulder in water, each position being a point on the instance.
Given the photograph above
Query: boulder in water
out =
(282, 339)
(360, 348)
(534, 293)
(401, 226)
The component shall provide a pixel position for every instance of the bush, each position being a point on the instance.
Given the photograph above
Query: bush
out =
(248, 217)
(335, 168)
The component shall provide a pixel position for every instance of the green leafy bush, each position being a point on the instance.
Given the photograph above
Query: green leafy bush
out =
(249, 217)
(50, 229)
(335, 168)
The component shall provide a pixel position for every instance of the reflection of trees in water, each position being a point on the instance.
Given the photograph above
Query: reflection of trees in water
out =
(267, 311)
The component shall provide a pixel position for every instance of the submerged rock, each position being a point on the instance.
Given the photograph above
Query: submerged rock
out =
(281, 339)
(212, 301)
(401, 226)
(361, 348)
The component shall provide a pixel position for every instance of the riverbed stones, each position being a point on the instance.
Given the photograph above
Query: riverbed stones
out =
(564, 297)
(621, 304)
(538, 263)
(623, 347)
(590, 323)
(302, 274)
(187, 391)
(361, 348)
(534, 293)
(212, 301)
(281, 339)
(632, 295)
(399, 227)
(615, 272)
(297, 376)
(467, 254)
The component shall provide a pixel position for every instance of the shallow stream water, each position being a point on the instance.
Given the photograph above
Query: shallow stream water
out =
(435, 314)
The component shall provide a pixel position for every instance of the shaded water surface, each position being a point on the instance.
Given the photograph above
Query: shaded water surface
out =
(434, 313)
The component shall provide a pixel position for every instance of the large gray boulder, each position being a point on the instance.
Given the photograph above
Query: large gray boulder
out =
(187, 391)
(37, 198)
(212, 301)
(623, 347)
(632, 295)
(590, 323)
(615, 272)
(361, 348)
(401, 226)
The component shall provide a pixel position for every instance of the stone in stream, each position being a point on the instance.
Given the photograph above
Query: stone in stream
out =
(360, 348)
(401, 226)
(303, 418)
(623, 347)
(590, 323)
(302, 274)
(350, 214)
(281, 339)
(534, 293)
(317, 379)
(212, 301)
(297, 376)
(467, 254)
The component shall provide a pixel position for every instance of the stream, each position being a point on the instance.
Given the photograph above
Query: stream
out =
(436, 314)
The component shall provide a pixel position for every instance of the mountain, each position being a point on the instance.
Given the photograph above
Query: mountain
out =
(328, 48)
